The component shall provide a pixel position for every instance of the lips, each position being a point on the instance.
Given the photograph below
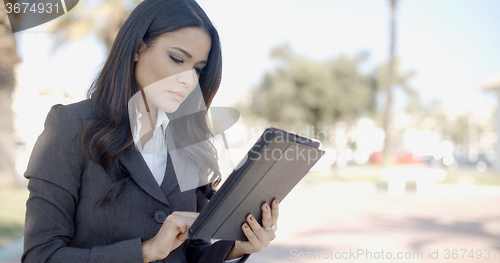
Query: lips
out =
(178, 95)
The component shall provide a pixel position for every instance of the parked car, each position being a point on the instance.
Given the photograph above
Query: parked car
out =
(398, 158)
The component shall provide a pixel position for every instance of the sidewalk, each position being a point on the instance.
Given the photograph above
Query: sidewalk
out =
(12, 253)
(322, 218)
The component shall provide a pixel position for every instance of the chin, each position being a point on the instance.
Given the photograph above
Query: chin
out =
(170, 108)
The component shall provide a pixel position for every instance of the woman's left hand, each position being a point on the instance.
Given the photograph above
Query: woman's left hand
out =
(259, 236)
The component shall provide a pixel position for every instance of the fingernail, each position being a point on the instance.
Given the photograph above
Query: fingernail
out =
(251, 218)
(246, 226)
(276, 201)
(267, 207)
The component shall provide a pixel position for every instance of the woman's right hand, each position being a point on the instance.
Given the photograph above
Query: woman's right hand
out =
(172, 234)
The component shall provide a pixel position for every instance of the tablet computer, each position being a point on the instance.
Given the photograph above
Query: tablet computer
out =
(271, 169)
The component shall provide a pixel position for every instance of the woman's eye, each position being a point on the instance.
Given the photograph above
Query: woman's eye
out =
(180, 61)
(176, 60)
(199, 70)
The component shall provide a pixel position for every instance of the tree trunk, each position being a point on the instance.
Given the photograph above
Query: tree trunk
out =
(7, 147)
(388, 144)
(8, 59)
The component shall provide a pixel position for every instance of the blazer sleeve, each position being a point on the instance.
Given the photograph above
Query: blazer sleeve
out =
(54, 170)
(203, 251)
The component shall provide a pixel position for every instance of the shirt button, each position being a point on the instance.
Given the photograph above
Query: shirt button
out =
(160, 216)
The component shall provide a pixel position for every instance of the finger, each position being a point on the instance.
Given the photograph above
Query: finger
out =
(254, 244)
(271, 235)
(180, 222)
(257, 229)
(186, 214)
(187, 217)
(183, 235)
(267, 220)
(275, 211)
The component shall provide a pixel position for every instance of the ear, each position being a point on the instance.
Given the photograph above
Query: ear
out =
(142, 47)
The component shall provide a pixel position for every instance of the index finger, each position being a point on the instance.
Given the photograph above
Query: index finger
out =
(275, 211)
(186, 214)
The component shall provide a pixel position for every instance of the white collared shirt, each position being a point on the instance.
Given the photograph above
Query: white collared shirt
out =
(155, 150)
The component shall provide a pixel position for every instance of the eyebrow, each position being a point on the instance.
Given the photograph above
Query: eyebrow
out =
(187, 54)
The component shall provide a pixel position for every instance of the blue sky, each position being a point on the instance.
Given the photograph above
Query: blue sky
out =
(452, 45)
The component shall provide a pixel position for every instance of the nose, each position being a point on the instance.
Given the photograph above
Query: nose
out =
(188, 78)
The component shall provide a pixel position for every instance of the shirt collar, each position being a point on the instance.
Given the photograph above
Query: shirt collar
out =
(162, 119)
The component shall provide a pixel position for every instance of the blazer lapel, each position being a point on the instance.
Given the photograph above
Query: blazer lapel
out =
(170, 179)
(182, 169)
(176, 164)
(177, 169)
(132, 159)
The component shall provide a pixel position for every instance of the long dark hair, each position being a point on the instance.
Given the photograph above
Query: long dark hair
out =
(109, 133)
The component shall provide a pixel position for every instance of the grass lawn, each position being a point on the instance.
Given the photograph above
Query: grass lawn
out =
(12, 212)
(370, 174)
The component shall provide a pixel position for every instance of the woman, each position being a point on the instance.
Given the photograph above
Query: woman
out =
(95, 193)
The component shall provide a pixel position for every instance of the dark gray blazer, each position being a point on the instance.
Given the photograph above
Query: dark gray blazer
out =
(65, 223)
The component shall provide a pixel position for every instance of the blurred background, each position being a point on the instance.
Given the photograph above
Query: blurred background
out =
(402, 94)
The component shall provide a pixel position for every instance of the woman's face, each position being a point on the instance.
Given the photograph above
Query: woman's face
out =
(169, 70)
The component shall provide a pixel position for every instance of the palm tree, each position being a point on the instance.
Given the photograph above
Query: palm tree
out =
(387, 153)
(8, 60)
(103, 21)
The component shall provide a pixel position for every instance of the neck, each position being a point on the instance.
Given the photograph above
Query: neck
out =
(148, 118)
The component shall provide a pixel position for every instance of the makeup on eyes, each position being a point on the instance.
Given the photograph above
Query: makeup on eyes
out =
(187, 54)
(176, 59)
